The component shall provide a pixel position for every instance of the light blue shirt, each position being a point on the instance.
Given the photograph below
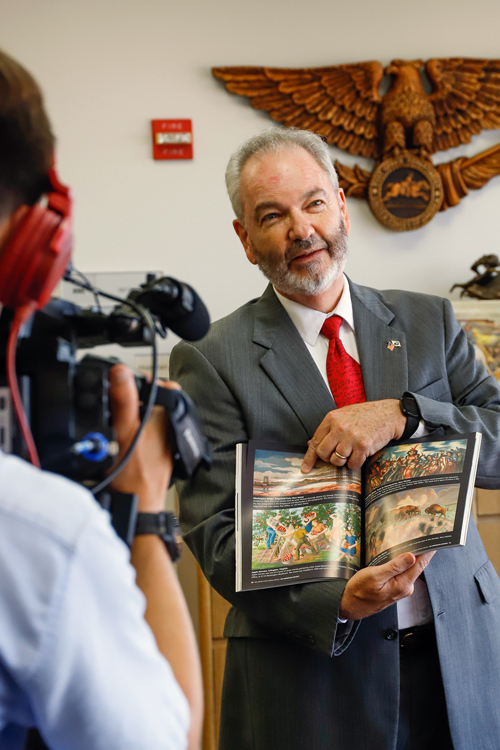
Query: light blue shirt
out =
(77, 659)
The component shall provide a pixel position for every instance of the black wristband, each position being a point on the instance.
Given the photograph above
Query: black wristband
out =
(409, 407)
(165, 526)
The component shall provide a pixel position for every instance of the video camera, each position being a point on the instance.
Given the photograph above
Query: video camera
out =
(67, 401)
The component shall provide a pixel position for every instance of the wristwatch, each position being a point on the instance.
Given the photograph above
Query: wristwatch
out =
(409, 407)
(165, 526)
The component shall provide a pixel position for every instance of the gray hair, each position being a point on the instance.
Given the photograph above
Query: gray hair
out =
(275, 140)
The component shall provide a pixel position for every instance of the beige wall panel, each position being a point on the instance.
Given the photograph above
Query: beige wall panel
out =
(488, 503)
(490, 534)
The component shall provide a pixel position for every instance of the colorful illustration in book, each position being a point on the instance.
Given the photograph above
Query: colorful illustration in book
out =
(278, 474)
(415, 460)
(411, 514)
(317, 533)
(411, 496)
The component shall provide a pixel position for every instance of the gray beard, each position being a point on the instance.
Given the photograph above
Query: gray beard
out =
(312, 279)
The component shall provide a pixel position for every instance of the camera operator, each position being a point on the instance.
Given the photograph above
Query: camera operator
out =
(77, 659)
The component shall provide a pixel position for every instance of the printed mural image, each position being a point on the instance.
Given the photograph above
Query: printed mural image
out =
(407, 515)
(308, 529)
(414, 461)
(277, 474)
(319, 532)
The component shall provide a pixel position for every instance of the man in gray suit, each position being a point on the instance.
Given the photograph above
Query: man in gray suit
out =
(395, 658)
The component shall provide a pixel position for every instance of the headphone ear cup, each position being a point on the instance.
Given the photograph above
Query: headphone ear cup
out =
(36, 256)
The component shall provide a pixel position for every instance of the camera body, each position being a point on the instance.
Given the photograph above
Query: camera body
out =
(64, 399)
(67, 400)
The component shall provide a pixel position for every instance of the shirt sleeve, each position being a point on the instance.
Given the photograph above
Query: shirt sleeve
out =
(100, 681)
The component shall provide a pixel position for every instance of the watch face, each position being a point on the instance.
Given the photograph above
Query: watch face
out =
(409, 407)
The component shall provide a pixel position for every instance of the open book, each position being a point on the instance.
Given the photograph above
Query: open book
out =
(411, 496)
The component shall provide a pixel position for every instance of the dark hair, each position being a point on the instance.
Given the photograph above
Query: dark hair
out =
(26, 139)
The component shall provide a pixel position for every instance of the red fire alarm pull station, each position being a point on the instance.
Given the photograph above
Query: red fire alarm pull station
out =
(172, 139)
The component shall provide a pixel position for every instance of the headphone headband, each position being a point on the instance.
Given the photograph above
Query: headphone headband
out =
(39, 250)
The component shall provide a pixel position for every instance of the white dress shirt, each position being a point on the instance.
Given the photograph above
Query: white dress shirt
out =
(77, 658)
(415, 609)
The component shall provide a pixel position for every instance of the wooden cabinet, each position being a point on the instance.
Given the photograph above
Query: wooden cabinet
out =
(213, 610)
(488, 523)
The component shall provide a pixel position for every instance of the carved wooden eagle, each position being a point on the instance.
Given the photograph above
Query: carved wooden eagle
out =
(342, 102)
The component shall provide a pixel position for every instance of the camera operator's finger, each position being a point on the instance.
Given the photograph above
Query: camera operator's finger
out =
(160, 381)
(124, 404)
(148, 472)
(169, 384)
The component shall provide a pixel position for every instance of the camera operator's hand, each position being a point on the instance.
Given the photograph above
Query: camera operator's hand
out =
(148, 472)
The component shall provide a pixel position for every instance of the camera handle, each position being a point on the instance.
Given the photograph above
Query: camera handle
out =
(192, 448)
(190, 451)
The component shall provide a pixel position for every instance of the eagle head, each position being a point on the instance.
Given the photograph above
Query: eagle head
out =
(395, 66)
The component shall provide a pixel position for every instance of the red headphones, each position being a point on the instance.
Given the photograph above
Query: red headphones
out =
(39, 250)
(33, 260)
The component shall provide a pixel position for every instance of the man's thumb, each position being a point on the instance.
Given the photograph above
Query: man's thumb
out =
(399, 565)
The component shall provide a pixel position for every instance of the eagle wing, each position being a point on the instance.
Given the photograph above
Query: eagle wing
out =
(338, 102)
(465, 97)
(461, 175)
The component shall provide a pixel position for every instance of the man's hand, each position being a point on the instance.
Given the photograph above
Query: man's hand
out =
(355, 432)
(148, 472)
(373, 589)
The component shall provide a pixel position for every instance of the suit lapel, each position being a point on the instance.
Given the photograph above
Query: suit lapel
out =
(384, 364)
(288, 364)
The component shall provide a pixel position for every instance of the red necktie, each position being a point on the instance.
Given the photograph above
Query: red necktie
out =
(343, 372)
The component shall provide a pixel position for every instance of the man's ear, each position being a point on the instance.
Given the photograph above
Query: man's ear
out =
(343, 210)
(245, 241)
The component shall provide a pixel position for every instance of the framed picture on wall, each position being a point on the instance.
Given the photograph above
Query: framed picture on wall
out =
(480, 320)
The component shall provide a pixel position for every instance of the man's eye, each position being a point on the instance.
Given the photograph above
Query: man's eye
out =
(316, 204)
(269, 217)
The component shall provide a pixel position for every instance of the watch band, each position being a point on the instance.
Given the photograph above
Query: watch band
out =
(410, 410)
(165, 526)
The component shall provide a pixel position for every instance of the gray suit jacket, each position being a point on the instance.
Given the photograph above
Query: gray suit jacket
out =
(252, 377)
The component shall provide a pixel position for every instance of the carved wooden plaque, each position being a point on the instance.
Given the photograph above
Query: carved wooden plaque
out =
(428, 107)
(405, 192)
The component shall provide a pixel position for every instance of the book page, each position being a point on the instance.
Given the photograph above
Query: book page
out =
(299, 526)
(416, 495)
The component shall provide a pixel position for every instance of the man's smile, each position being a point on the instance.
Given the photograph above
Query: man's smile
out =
(304, 252)
(306, 256)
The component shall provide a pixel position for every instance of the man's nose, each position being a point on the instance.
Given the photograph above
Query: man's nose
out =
(300, 226)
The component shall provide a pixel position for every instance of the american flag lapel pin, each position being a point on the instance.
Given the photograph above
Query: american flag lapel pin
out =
(393, 345)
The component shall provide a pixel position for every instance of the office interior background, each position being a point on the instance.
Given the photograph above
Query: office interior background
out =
(108, 68)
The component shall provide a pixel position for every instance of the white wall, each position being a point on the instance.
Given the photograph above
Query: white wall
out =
(109, 67)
